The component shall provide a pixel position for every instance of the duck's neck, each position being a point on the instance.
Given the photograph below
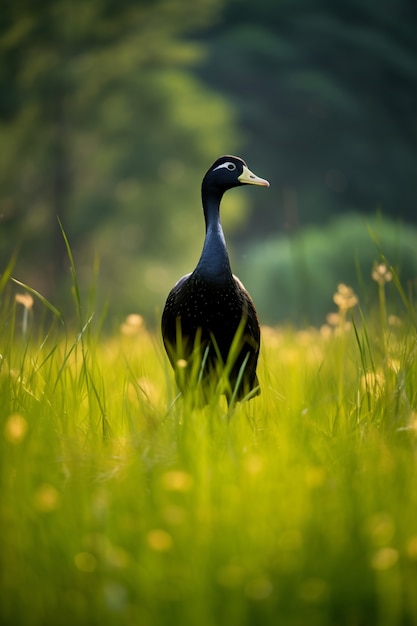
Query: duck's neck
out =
(214, 261)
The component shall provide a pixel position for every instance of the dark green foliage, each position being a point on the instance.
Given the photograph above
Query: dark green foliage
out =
(294, 278)
(326, 98)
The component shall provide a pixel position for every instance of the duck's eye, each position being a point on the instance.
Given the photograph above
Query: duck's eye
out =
(228, 165)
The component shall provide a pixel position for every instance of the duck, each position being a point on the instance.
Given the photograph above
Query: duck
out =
(210, 327)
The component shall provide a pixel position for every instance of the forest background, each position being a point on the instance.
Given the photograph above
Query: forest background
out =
(111, 112)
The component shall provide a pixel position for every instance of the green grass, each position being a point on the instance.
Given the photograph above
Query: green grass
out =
(122, 505)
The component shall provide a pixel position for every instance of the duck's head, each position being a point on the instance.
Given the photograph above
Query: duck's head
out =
(230, 171)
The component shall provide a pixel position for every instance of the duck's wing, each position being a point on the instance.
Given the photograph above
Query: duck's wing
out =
(170, 314)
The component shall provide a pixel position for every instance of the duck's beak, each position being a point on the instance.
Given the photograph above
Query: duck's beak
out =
(249, 178)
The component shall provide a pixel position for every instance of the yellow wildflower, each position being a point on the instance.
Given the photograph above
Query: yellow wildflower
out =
(381, 274)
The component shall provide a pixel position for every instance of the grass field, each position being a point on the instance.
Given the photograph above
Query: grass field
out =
(121, 505)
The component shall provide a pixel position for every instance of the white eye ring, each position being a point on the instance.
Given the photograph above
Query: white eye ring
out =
(228, 165)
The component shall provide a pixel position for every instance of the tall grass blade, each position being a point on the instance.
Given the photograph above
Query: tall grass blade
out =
(6, 275)
(41, 298)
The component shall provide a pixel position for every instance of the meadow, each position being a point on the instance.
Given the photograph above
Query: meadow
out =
(123, 504)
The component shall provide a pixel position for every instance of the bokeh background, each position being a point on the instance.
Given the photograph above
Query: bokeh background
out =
(111, 112)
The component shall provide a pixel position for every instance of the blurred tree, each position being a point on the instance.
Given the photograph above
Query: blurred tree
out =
(110, 112)
(102, 124)
(326, 94)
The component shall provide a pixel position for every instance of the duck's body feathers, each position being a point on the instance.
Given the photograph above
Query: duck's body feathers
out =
(212, 313)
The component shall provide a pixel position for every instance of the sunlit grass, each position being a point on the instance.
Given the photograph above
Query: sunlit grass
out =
(123, 504)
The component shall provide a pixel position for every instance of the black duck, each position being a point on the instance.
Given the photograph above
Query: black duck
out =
(210, 327)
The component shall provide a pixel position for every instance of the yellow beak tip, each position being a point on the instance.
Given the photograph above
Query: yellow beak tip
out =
(249, 178)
